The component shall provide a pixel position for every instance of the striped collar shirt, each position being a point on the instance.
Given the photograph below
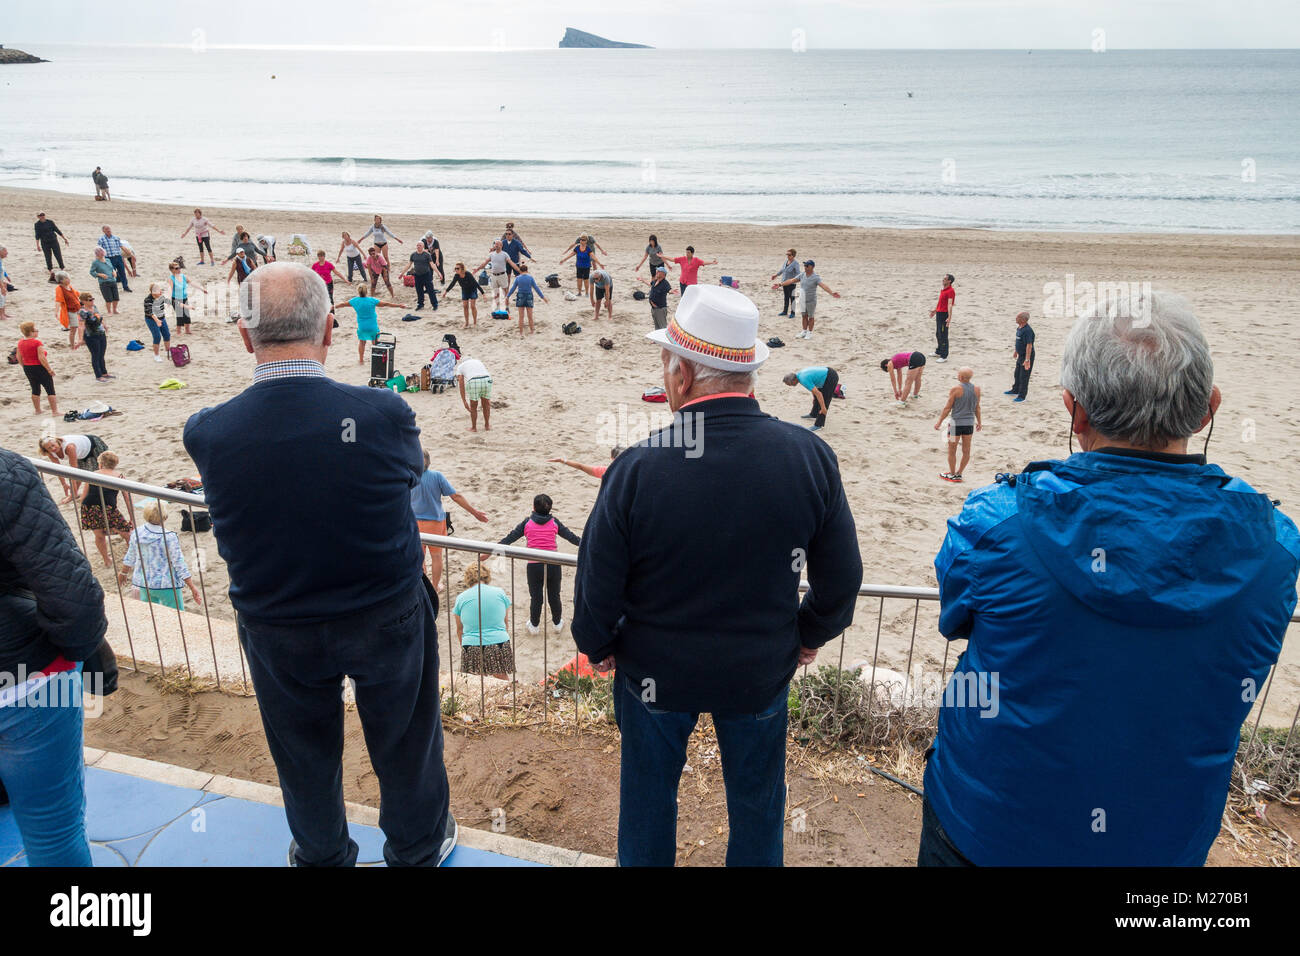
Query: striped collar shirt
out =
(289, 368)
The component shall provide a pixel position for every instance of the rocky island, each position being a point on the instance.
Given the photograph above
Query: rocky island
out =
(580, 40)
(18, 56)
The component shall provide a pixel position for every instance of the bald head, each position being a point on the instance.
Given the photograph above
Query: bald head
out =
(284, 304)
(965, 374)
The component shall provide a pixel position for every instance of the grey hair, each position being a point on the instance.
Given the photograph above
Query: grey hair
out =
(712, 379)
(288, 304)
(1141, 368)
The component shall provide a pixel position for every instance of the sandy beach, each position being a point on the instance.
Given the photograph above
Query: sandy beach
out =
(557, 395)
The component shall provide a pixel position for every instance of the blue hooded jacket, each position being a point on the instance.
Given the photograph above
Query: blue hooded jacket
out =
(1123, 612)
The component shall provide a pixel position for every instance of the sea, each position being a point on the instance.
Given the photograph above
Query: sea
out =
(1116, 141)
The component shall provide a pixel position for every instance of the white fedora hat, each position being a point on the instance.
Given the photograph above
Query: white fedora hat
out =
(714, 326)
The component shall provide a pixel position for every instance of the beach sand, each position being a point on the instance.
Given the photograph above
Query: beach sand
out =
(557, 395)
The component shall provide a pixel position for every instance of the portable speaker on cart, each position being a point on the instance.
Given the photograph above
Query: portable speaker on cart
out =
(383, 358)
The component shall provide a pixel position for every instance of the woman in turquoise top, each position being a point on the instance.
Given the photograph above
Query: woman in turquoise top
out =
(481, 625)
(366, 307)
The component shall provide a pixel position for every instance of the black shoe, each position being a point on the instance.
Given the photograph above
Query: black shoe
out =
(450, 835)
(293, 852)
(807, 416)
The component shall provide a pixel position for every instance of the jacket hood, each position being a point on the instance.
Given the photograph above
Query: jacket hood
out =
(1124, 534)
(539, 518)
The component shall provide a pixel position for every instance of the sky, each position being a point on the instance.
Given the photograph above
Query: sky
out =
(694, 24)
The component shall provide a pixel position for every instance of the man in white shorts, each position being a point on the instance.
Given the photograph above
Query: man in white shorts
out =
(498, 267)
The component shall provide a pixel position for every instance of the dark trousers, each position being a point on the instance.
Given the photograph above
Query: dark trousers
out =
(392, 656)
(752, 748)
(936, 849)
(97, 345)
(827, 388)
(357, 265)
(787, 304)
(120, 266)
(1021, 383)
(52, 252)
(941, 334)
(423, 285)
(553, 574)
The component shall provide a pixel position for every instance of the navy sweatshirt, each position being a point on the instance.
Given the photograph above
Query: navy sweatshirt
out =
(309, 485)
(690, 561)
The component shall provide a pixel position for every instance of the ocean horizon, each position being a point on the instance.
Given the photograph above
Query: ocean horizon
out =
(1121, 141)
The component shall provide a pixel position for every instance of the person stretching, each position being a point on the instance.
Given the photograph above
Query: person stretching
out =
(964, 404)
(367, 309)
(523, 289)
(539, 530)
(822, 381)
(905, 370)
(596, 471)
(468, 292)
(809, 283)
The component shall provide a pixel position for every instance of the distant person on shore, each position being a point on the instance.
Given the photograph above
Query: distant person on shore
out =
(102, 271)
(35, 361)
(355, 603)
(1024, 358)
(822, 381)
(51, 619)
(660, 289)
(689, 267)
(696, 612)
(242, 267)
(1133, 598)
(203, 230)
(421, 269)
(539, 531)
(431, 516)
(942, 315)
(67, 301)
(964, 404)
(366, 308)
(596, 471)
(475, 391)
(91, 325)
(468, 291)
(809, 283)
(356, 258)
(481, 612)
(524, 288)
(905, 370)
(498, 267)
(101, 184)
(602, 290)
(377, 266)
(47, 241)
(180, 296)
(155, 317)
(582, 258)
(381, 234)
(327, 271)
(99, 512)
(790, 270)
(112, 246)
(655, 253)
(75, 451)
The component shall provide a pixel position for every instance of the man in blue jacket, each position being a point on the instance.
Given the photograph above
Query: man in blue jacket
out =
(308, 482)
(1122, 609)
(688, 580)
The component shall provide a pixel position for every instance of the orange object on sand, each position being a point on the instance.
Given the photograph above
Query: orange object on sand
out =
(580, 666)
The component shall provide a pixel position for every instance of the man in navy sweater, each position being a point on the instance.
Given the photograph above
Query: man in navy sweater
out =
(308, 482)
(688, 580)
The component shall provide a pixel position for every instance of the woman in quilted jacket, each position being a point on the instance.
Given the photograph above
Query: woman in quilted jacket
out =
(51, 621)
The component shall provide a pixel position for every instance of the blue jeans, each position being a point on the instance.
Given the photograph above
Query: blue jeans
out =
(936, 848)
(43, 771)
(120, 265)
(752, 747)
(392, 656)
(158, 330)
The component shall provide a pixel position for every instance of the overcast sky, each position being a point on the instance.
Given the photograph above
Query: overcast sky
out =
(469, 24)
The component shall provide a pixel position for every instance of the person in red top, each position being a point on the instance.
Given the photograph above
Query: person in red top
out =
(35, 361)
(942, 314)
(325, 269)
(690, 267)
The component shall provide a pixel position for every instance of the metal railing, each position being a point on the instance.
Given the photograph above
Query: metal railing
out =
(930, 643)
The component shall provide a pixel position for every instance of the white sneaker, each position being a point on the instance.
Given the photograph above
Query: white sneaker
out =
(941, 360)
(807, 335)
(157, 358)
(532, 628)
(559, 626)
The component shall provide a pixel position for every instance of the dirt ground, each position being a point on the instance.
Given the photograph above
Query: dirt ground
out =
(560, 787)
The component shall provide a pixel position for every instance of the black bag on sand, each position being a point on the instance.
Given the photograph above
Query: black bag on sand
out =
(571, 328)
(775, 343)
(198, 521)
(638, 294)
(553, 280)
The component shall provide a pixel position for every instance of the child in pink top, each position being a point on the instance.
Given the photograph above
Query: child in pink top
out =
(539, 530)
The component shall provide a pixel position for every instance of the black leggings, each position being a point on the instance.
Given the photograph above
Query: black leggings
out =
(788, 304)
(357, 265)
(204, 242)
(52, 251)
(553, 572)
(40, 378)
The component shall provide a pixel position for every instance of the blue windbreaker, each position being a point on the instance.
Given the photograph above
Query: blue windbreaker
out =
(1130, 609)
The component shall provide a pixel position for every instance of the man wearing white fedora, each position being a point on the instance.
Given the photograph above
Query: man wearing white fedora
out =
(688, 582)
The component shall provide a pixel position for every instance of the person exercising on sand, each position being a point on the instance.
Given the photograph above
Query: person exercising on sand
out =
(964, 404)
(905, 370)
